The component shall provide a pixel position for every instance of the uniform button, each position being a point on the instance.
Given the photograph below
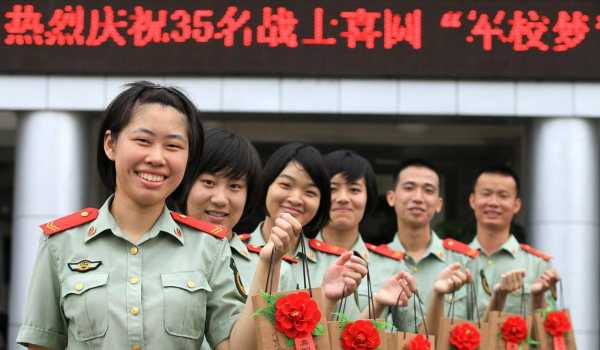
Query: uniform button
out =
(415, 269)
(133, 280)
(135, 310)
(136, 347)
(191, 284)
(450, 298)
(84, 213)
(406, 257)
(518, 291)
(134, 250)
(79, 286)
(490, 262)
(182, 216)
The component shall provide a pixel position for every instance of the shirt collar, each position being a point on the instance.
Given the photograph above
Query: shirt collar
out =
(511, 245)
(435, 248)
(105, 222)
(239, 246)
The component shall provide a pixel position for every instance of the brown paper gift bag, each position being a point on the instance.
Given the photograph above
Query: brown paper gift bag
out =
(269, 338)
(497, 319)
(335, 335)
(401, 340)
(546, 340)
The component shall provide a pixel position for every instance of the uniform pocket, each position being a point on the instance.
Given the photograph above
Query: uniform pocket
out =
(85, 304)
(185, 303)
(461, 303)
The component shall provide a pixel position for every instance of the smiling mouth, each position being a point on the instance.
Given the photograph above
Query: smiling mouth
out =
(218, 215)
(150, 177)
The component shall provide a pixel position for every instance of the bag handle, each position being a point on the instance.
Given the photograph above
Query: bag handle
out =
(422, 315)
(395, 309)
(271, 273)
(471, 287)
(343, 302)
(305, 271)
(370, 300)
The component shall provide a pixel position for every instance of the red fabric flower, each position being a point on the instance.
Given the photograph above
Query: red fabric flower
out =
(297, 315)
(465, 337)
(418, 343)
(360, 335)
(514, 330)
(557, 323)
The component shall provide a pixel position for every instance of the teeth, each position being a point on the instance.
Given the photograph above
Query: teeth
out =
(219, 215)
(151, 178)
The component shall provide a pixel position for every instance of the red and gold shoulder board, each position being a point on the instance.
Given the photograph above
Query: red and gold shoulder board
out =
(244, 236)
(70, 221)
(456, 246)
(385, 251)
(214, 230)
(257, 249)
(325, 247)
(535, 252)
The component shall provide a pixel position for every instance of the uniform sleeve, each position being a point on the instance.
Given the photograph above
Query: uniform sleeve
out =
(44, 324)
(225, 304)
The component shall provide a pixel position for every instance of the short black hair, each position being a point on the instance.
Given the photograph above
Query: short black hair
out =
(416, 162)
(120, 111)
(312, 162)
(354, 167)
(230, 155)
(500, 169)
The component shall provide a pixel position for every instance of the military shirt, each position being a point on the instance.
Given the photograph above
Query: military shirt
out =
(425, 272)
(489, 269)
(167, 291)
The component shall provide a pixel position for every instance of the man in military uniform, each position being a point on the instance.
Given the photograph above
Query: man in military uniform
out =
(415, 197)
(504, 265)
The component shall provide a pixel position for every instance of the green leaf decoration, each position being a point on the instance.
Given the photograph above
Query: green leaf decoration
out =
(382, 325)
(499, 335)
(531, 341)
(552, 304)
(566, 335)
(343, 320)
(289, 341)
(521, 346)
(319, 330)
(265, 296)
(267, 313)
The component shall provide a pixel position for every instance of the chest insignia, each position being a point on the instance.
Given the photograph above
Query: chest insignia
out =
(84, 266)
(484, 283)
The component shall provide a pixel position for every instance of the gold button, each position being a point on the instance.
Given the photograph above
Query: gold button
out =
(182, 216)
(450, 298)
(318, 244)
(91, 231)
(135, 310)
(490, 262)
(136, 347)
(450, 243)
(134, 250)
(133, 280)
(415, 269)
(191, 284)
(374, 294)
(518, 291)
(84, 213)
(79, 286)
(406, 257)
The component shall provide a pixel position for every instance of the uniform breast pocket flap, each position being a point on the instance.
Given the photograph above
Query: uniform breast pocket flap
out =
(85, 304)
(185, 303)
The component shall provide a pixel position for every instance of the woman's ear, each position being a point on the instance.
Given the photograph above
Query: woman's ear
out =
(109, 145)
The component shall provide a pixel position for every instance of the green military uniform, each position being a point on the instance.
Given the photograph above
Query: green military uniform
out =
(245, 262)
(439, 255)
(381, 267)
(510, 256)
(93, 288)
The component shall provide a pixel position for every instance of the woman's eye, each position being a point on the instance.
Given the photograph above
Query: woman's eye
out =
(284, 185)
(311, 193)
(355, 190)
(333, 190)
(208, 182)
(236, 186)
(142, 140)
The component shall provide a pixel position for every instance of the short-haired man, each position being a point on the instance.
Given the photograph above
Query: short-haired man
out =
(415, 197)
(504, 263)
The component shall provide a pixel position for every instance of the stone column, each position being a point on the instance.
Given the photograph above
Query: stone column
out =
(51, 172)
(564, 210)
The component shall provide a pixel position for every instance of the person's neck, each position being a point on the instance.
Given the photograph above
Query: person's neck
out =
(492, 239)
(266, 234)
(340, 237)
(415, 240)
(133, 219)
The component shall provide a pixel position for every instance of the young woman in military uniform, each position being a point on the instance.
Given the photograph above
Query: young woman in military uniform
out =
(133, 275)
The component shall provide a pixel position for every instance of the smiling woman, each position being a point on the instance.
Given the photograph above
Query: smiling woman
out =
(167, 275)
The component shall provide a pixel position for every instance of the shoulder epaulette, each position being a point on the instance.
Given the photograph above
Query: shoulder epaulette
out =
(203, 226)
(456, 246)
(325, 247)
(385, 251)
(256, 249)
(535, 252)
(70, 221)
(244, 236)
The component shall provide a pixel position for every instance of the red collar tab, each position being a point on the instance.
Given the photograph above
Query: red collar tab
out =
(456, 246)
(70, 221)
(535, 252)
(325, 247)
(256, 249)
(385, 251)
(244, 236)
(217, 231)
